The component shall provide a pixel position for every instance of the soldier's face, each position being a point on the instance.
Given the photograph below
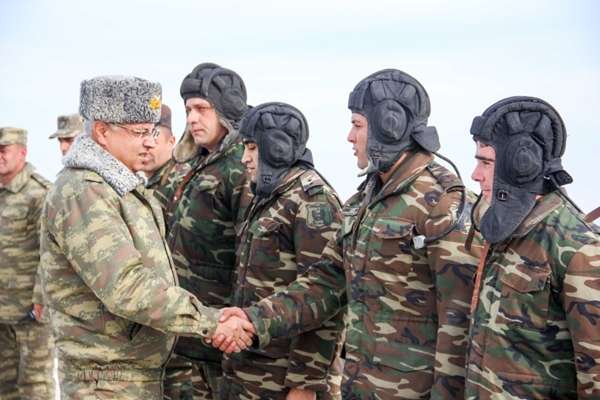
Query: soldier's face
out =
(129, 148)
(12, 159)
(358, 137)
(156, 156)
(203, 123)
(484, 169)
(65, 144)
(250, 160)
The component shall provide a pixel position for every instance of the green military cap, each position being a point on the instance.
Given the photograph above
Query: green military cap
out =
(10, 135)
(68, 126)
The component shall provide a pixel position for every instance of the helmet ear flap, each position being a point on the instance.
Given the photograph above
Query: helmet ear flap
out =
(279, 152)
(523, 161)
(389, 121)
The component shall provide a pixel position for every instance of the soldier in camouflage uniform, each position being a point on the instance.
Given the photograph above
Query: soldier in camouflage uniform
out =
(534, 332)
(108, 276)
(26, 355)
(292, 217)
(398, 262)
(206, 205)
(158, 163)
(69, 126)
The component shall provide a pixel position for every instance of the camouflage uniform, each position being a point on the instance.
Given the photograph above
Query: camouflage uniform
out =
(535, 331)
(26, 356)
(407, 317)
(207, 204)
(283, 235)
(110, 281)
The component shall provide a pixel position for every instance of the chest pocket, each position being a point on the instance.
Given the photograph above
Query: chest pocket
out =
(264, 248)
(391, 245)
(525, 297)
(13, 220)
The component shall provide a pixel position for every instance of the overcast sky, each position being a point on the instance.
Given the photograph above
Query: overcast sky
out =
(467, 54)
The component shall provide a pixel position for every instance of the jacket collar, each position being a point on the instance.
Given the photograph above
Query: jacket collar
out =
(87, 154)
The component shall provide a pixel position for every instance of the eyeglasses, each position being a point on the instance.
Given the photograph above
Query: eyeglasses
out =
(141, 133)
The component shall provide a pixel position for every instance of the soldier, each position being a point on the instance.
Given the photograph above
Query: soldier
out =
(25, 341)
(69, 126)
(206, 206)
(292, 216)
(158, 162)
(534, 332)
(398, 261)
(108, 276)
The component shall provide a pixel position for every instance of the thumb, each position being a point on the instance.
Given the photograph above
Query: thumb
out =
(229, 312)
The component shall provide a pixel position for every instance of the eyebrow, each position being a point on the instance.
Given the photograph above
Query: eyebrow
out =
(485, 159)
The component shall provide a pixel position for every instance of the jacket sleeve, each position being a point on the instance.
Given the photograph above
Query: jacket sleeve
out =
(37, 295)
(96, 241)
(312, 353)
(453, 268)
(316, 296)
(581, 302)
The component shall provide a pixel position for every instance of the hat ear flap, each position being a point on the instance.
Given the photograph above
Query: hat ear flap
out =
(389, 121)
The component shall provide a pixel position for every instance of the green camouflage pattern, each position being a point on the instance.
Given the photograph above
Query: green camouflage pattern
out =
(21, 203)
(407, 307)
(535, 333)
(26, 362)
(160, 178)
(110, 282)
(205, 209)
(283, 235)
(110, 389)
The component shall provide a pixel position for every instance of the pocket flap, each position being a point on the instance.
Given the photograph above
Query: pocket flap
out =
(265, 226)
(392, 228)
(526, 282)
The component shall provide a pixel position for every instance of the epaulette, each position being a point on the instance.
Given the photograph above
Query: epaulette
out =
(45, 183)
(447, 180)
(312, 183)
(91, 176)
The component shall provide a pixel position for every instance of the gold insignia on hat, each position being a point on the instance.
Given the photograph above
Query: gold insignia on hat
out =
(154, 103)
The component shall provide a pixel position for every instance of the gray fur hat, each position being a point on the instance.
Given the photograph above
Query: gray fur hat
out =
(120, 99)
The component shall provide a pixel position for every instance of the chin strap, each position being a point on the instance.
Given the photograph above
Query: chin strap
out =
(593, 215)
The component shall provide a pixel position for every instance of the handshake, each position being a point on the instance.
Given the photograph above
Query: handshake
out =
(234, 331)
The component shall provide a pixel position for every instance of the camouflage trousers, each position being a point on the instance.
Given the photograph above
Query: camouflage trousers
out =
(368, 381)
(247, 378)
(192, 380)
(101, 389)
(26, 361)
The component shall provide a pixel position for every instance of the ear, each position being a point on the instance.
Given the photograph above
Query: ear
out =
(171, 140)
(23, 151)
(100, 133)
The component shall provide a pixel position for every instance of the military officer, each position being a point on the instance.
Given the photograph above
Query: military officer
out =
(26, 347)
(534, 332)
(158, 163)
(108, 275)
(68, 127)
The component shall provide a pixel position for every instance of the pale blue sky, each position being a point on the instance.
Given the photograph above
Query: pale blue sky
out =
(467, 54)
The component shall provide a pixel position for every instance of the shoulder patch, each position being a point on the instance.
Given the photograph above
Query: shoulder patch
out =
(41, 180)
(318, 215)
(311, 183)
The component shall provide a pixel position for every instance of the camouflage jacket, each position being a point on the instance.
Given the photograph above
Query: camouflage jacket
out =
(108, 275)
(160, 177)
(20, 209)
(407, 315)
(535, 332)
(282, 236)
(207, 205)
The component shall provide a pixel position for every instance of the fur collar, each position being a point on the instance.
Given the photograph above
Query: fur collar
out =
(87, 154)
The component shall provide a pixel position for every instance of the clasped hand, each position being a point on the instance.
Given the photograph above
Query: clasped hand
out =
(234, 331)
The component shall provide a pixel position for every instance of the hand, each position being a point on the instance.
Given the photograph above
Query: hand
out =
(38, 311)
(229, 312)
(233, 335)
(301, 394)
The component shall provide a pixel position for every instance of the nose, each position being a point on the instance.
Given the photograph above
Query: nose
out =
(245, 157)
(149, 142)
(476, 174)
(351, 136)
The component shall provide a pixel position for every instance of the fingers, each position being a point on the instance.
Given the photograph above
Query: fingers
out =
(229, 312)
(233, 335)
